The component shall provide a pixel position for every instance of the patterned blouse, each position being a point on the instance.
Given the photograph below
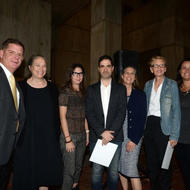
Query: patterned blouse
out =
(74, 101)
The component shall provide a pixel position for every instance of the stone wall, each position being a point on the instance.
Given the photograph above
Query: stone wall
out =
(30, 22)
(159, 27)
(71, 44)
(105, 32)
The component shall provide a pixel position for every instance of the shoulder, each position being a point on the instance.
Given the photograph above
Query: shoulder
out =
(170, 81)
(65, 91)
(118, 85)
(1, 70)
(138, 97)
(172, 84)
(149, 82)
(93, 86)
(23, 83)
(139, 92)
(52, 85)
(52, 88)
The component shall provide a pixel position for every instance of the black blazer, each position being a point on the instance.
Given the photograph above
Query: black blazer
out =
(137, 111)
(116, 111)
(8, 118)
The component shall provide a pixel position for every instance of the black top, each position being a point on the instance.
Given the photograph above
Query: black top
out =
(38, 157)
(185, 118)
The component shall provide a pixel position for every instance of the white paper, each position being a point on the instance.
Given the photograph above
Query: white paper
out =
(103, 154)
(167, 156)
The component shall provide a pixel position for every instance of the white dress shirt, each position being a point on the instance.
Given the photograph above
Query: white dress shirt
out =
(105, 97)
(8, 75)
(154, 106)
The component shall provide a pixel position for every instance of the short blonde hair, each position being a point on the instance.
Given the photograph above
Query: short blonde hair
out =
(155, 58)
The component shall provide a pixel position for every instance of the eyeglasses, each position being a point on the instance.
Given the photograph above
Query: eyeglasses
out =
(13, 53)
(158, 66)
(78, 74)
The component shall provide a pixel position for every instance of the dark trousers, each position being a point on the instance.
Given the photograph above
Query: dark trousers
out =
(155, 145)
(5, 172)
(72, 161)
(183, 156)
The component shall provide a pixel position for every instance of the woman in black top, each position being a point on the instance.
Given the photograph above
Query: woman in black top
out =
(37, 160)
(183, 147)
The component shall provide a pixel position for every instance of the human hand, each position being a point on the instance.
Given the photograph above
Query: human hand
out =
(107, 136)
(70, 147)
(104, 142)
(87, 139)
(173, 143)
(130, 146)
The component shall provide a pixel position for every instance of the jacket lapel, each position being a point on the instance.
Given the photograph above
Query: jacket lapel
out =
(6, 85)
(98, 98)
(164, 87)
(20, 92)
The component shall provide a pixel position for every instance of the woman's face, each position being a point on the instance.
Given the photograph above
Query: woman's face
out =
(38, 68)
(158, 68)
(77, 76)
(185, 70)
(128, 76)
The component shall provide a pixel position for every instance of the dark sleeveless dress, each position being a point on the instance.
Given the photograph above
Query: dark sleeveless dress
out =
(37, 159)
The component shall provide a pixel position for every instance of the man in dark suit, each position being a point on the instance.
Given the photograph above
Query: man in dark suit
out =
(11, 105)
(105, 112)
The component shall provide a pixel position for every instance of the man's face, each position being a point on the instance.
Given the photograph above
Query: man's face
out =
(105, 69)
(11, 57)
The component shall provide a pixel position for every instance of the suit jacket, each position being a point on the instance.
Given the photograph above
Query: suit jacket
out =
(137, 111)
(116, 111)
(8, 118)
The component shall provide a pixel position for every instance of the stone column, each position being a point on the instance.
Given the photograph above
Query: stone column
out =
(30, 22)
(105, 31)
(174, 54)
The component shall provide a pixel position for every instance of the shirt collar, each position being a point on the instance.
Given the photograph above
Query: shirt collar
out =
(102, 85)
(7, 72)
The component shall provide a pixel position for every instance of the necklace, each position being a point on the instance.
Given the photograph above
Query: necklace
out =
(185, 90)
(185, 93)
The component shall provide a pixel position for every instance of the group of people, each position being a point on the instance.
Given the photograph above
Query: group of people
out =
(44, 133)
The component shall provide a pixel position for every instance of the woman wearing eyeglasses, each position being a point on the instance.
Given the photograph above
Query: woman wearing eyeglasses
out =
(163, 122)
(75, 134)
(183, 147)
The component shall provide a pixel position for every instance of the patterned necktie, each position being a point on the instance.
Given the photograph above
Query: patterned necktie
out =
(14, 93)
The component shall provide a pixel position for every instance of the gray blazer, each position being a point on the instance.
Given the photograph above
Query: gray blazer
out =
(8, 119)
(169, 107)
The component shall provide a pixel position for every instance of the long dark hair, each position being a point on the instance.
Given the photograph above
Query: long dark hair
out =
(179, 78)
(68, 83)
